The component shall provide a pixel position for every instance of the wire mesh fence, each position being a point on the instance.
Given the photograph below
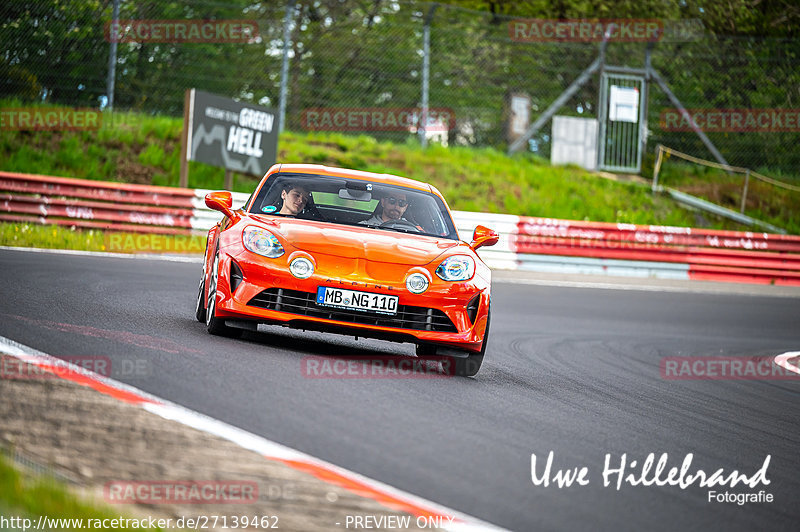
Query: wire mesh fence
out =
(360, 57)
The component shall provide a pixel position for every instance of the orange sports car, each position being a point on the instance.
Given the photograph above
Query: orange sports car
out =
(351, 252)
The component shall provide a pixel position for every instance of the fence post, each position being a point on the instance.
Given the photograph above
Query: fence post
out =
(657, 167)
(744, 192)
(112, 58)
(645, 101)
(426, 65)
(186, 136)
(287, 21)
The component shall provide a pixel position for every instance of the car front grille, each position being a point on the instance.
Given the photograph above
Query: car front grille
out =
(304, 303)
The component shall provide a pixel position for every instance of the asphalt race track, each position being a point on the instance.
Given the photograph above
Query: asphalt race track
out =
(572, 370)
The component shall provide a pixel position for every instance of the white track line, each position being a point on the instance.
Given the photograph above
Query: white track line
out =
(594, 284)
(783, 361)
(722, 290)
(267, 448)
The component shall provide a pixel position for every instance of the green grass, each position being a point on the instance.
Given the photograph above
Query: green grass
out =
(487, 180)
(58, 237)
(145, 149)
(29, 497)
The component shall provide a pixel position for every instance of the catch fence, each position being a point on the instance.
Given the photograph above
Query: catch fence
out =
(366, 55)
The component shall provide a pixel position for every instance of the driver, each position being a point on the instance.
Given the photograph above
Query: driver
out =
(393, 207)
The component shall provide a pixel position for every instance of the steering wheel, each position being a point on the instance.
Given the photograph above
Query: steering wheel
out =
(400, 224)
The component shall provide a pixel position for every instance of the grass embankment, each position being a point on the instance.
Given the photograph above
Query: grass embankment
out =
(145, 149)
(23, 496)
(142, 149)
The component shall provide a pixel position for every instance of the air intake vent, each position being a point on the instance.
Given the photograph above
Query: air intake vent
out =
(236, 276)
(472, 308)
(304, 303)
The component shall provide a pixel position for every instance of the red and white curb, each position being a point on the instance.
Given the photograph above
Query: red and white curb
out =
(384, 494)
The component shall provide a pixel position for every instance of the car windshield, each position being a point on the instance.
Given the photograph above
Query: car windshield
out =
(346, 201)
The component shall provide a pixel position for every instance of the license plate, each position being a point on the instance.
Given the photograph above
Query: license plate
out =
(353, 300)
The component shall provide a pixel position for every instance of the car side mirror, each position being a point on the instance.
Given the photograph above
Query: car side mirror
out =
(483, 236)
(220, 201)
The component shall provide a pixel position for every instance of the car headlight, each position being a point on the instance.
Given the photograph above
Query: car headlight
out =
(261, 241)
(456, 268)
(301, 267)
(417, 283)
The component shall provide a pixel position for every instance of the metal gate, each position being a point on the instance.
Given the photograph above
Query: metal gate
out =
(622, 119)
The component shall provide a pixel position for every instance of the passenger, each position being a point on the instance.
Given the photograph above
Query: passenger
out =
(295, 198)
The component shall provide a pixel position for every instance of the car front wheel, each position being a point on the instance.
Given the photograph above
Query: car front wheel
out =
(200, 308)
(214, 324)
(461, 366)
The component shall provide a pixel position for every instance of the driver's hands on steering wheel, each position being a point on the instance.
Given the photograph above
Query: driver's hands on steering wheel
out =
(401, 223)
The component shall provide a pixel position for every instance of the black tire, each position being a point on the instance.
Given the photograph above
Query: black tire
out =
(213, 324)
(200, 304)
(200, 307)
(469, 366)
(459, 366)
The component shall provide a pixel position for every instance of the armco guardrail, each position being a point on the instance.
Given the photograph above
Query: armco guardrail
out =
(104, 205)
(568, 246)
(526, 243)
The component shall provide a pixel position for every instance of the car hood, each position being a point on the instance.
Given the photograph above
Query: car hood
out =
(375, 245)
